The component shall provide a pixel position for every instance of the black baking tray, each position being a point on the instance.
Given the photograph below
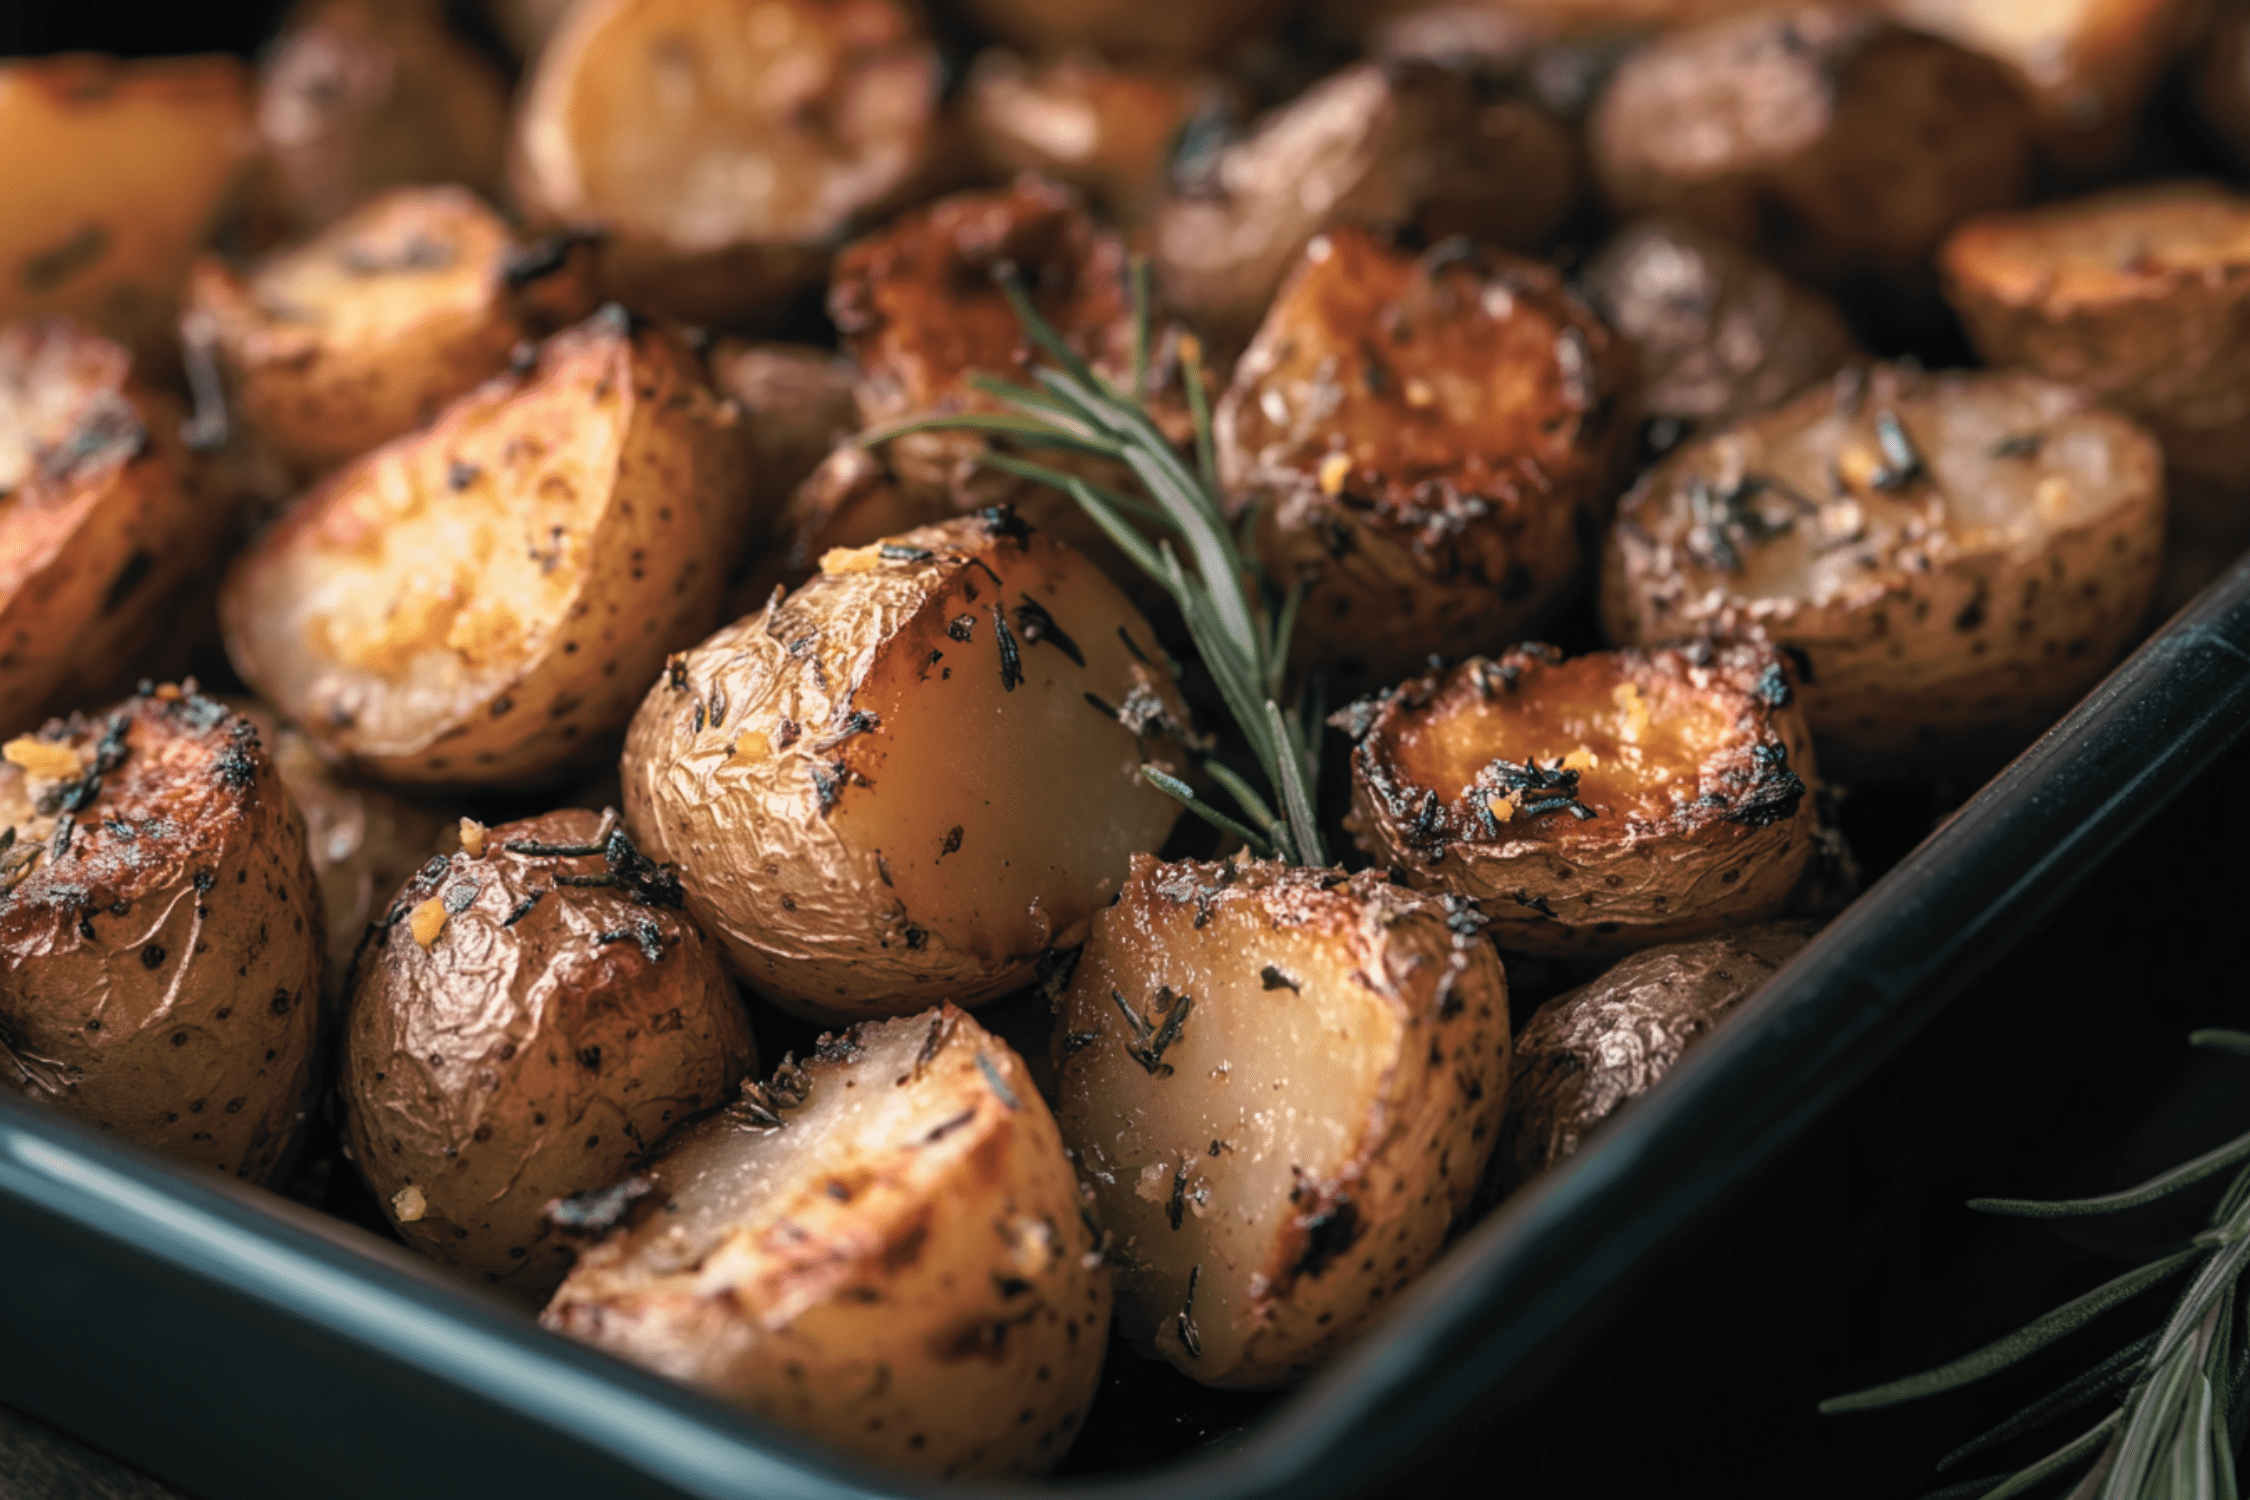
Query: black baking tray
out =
(239, 1345)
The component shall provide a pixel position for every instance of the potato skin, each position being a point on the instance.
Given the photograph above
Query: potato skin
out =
(854, 497)
(338, 345)
(160, 962)
(773, 763)
(928, 1298)
(796, 401)
(1297, 1240)
(1481, 411)
(1659, 860)
(1107, 131)
(478, 603)
(1934, 626)
(545, 1038)
(1588, 1053)
(109, 525)
(1830, 141)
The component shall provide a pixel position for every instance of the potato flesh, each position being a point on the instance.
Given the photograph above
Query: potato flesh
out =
(2112, 246)
(410, 258)
(50, 380)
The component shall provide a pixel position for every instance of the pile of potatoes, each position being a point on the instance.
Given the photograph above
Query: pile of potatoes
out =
(472, 669)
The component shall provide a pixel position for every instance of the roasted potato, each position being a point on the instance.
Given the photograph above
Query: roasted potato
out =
(853, 498)
(796, 403)
(1830, 141)
(525, 25)
(1720, 333)
(1587, 1054)
(1397, 144)
(913, 780)
(1280, 1086)
(1166, 31)
(116, 173)
(481, 602)
(1949, 560)
(520, 1033)
(719, 147)
(882, 1248)
(358, 96)
(2219, 80)
(106, 528)
(1424, 440)
(365, 332)
(1596, 805)
(160, 938)
(1107, 131)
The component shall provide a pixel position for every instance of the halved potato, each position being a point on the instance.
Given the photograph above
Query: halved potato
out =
(1398, 144)
(1587, 1054)
(721, 146)
(1834, 143)
(160, 938)
(481, 602)
(882, 1248)
(357, 96)
(1426, 441)
(1596, 805)
(105, 526)
(796, 402)
(1107, 131)
(521, 1032)
(116, 173)
(916, 778)
(1948, 560)
(365, 332)
(1280, 1085)
(1720, 333)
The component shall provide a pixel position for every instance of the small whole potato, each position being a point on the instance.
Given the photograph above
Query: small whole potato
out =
(1280, 1086)
(519, 1032)
(477, 603)
(1108, 131)
(883, 1249)
(797, 402)
(853, 498)
(914, 779)
(1424, 440)
(1596, 805)
(160, 932)
(366, 331)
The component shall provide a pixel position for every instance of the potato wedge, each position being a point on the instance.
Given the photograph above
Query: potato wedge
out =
(796, 403)
(116, 173)
(107, 526)
(481, 602)
(1948, 560)
(1595, 805)
(359, 96)
(1720, 333)
(1425, 439)
(160, 937)
(1398, 144)
(915, 779)
(516, 1037)
(720, 146)
(1280, 1085)
(336, 346)
(1585, 1055)
(882, 1248)
(1833, 143)
(1107, 131)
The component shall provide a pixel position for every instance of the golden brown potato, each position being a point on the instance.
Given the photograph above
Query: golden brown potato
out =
(1162, 31)
(1107, 131)
(1587, 1054)
(1948, 560)
(915, 778)
(357, 96)
(720, 146)
(1281, 1085)
(796, 403)
(160, 939)
(1596, 805)
(1426, 440)
(1720, 333)
(882, 1248)
(115, 174)
(518, 1033)
(1832, 142)
(851, 500)
(483, 601)
(365, 332)
(106, 526)
(1397, 144)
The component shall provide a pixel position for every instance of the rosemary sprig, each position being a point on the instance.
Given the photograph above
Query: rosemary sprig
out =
(1240, 632)
(2184, 1390)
